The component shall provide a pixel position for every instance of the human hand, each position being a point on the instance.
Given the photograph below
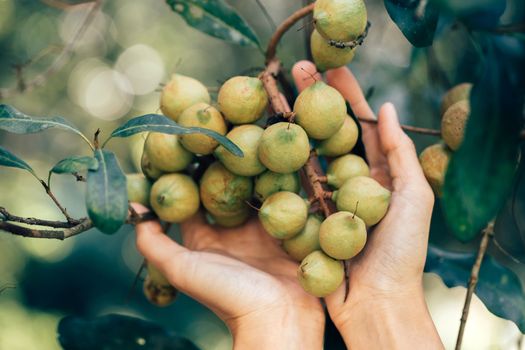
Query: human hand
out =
(385, 307)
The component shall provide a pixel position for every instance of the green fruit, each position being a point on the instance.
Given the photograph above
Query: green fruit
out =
(341, 20)
(247, 138)
(269, 182)
(166, 153)
(242, 99)
(222, 192)
(327, 56)
(306, 241)
(458, 93)
(174, 197)
(201, 115)
(320, 110)
(342, 142)
(149, 169)
(434, 161)
(138, 189)
(344, 168)
(319, 274)
(454, 122)
(180, 93)
(157, 289)
(284, 148)
(342, 235)
(365, 197)
(232, 220)
(283, 214)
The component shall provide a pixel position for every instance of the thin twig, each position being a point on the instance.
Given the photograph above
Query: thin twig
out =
(38, 222)
(487, 234)
(55, 200)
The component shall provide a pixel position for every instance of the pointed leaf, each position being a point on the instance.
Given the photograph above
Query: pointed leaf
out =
(216, 18)
(10, 160)
(160, 123)
(498, 287)
(75, 164)
(107, 196)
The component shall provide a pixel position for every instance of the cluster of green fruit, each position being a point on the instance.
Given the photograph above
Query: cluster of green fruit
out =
(455, 109)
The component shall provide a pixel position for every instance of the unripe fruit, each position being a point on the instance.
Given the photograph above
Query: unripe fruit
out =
(342, 142)
(454, 122)
(138, 189)
(157, 289)
(319, 274)
(341, 20)
(174, 197)
(269, 182)
(222, 192)
(242, 99)
(306, 241)
(366, 195)
(166, 153)
(342, 235)
(344, 168)
(458, 93)
(434, 161)
(284, 148)
(149, 169)
(320, 110)
(283, 214)
(180, 93)
(232, 220)
(247, 138)
(326, 56)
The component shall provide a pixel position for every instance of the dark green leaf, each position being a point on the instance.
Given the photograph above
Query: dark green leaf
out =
(498, 287)
(477, 14)
(10, 160)
(216, 18)
(75, 164)
(480, 173)
(160, 123)
(107, 196)
(418, 24)
(117, 332)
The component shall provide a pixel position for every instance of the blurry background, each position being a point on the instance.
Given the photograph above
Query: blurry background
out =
(131, 48)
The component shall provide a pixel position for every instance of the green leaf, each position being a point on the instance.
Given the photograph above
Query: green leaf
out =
(10, 160)
(160, 123)
(117, 332)
(475, 14)
(107, 196)
(75, 164)
(417, 24)
(498, 287)
(480, 173)
(216, 18)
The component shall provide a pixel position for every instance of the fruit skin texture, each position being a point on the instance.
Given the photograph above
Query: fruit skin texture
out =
(284, 148)
(247, 137)
(342, 235)
(344, 168)
(342, 142)
(149, 169)
(138, 189)
(306, 241)
(319, 274)
(341, 20)
(372, 197)
(454, 122)
(157, 289)
(180, 93)
(320, 110)
(434, 161)
(269, 182)
(233, 220)
(174, 197)
(326, 56)
(166, 153)
(283, 214)
(457, 93)
(242, 99)
(201, 115)
(224, 193)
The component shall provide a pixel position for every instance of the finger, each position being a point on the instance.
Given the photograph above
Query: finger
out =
(305, 74)
(196, 232)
